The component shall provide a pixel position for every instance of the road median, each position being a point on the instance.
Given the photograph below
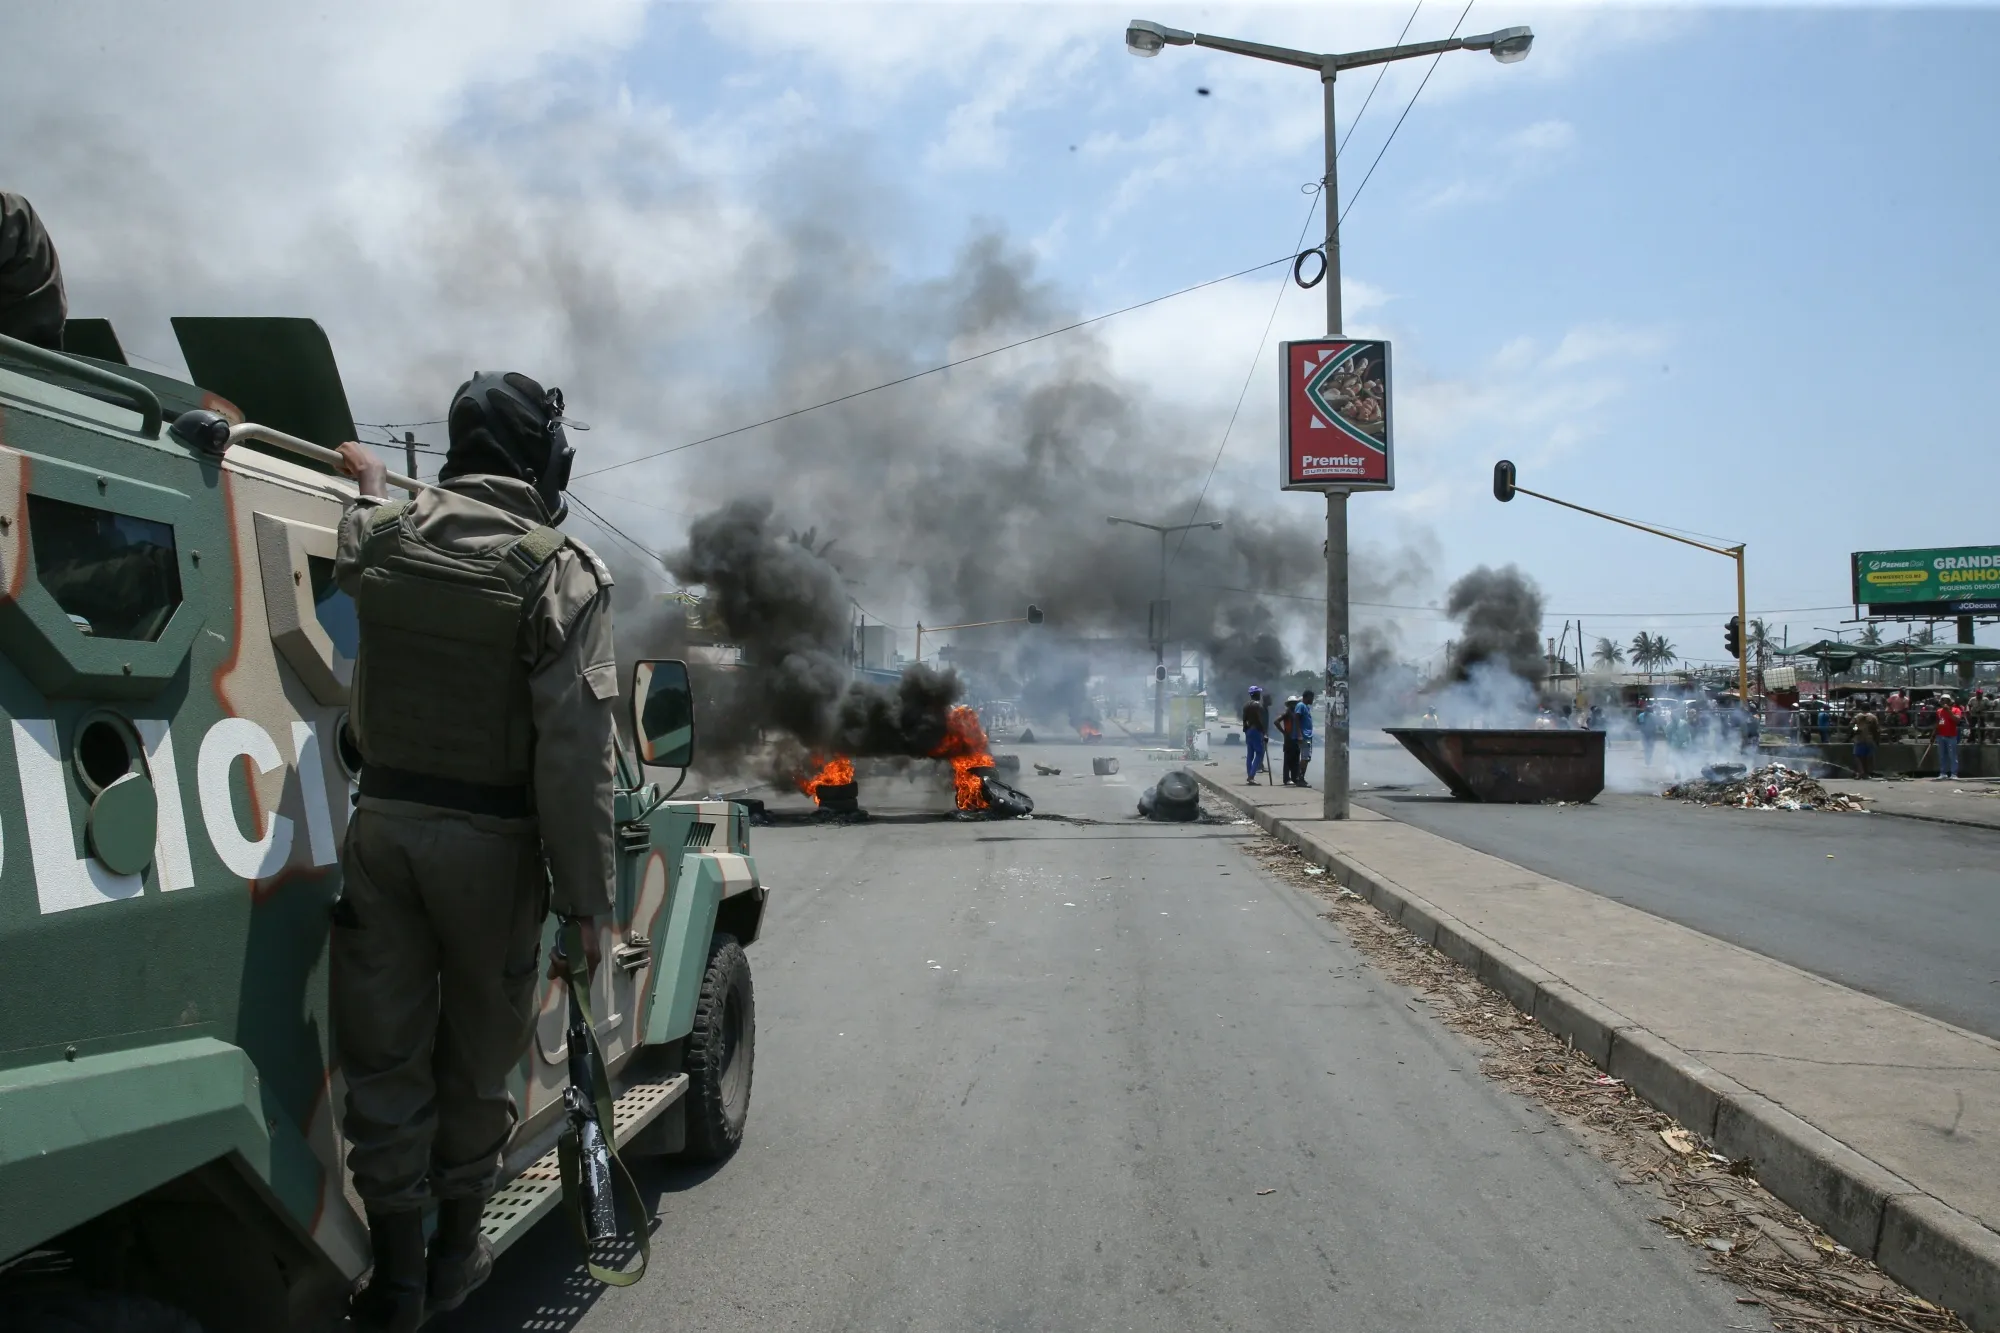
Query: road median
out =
(1880, 1124)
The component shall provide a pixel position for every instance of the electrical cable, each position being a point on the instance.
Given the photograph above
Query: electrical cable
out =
(1356, 196)
(613, 528)
(1380, 70)
(1256, 359)
(1609, 617)
(1297, 260)
(949, 365)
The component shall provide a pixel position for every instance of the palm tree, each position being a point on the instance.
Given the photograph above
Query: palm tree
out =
(1642, 652)
(1663, 651)
(1608, 654)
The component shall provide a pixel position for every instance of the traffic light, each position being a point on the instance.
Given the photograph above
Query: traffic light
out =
(1503, 480)
(1732, 636)
(1159, 673)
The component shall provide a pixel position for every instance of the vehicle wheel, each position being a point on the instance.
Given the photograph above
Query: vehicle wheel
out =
(96, 1312)
(720, 1054)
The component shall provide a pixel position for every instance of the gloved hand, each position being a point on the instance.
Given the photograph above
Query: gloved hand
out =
(593, 947)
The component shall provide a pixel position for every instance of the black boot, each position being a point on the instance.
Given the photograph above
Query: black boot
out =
(461, 1258)
(393, 1301)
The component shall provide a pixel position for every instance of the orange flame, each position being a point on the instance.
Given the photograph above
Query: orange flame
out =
(835, 772)
(1089, 730)
(964, 745)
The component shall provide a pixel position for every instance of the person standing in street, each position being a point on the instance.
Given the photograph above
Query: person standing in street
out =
(1950, 718)
(1305, 734)
(1288, 727)
(483, 698)
(1255, 728)
(1867, 735)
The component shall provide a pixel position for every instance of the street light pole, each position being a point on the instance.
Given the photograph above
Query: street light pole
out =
(1156, 620)
(1146, 38)
(1334, 773)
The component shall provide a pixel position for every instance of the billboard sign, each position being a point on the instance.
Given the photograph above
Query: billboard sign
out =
(1333, 416)
(1946, 581)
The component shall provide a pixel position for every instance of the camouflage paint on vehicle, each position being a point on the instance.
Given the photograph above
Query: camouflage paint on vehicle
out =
(166, 1019)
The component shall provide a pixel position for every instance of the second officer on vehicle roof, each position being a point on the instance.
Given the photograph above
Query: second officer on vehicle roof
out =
(483, 701)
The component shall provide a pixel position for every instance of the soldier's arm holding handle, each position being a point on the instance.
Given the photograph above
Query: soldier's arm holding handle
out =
(369, 472)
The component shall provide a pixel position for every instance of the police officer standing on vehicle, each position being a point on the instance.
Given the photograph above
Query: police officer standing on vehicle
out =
(483, 700)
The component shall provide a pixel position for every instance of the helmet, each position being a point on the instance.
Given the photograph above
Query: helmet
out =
(509, 426)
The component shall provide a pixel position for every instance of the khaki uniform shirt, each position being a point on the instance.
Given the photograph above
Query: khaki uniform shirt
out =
(572, 671)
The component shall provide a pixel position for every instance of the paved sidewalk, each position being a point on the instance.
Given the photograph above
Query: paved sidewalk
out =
(1974, 801)
(1881, 1124)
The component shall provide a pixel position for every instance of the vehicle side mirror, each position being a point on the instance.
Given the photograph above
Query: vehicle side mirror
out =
(663, 713)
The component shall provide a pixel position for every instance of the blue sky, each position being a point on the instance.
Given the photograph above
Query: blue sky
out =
(1725, 269)
(1722, 269)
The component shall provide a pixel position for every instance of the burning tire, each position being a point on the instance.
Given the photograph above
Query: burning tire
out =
(1003, 801)
(721, 1054)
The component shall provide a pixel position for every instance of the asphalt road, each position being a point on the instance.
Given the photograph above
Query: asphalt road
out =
(1899, 908)
(1035, 1075)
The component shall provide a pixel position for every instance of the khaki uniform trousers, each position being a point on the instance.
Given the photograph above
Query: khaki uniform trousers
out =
(436, 946)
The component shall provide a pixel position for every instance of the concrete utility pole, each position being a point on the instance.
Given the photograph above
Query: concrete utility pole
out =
(1156, 618)
(1146, 38)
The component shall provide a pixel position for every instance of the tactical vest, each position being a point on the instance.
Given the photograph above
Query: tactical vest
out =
(440, 689)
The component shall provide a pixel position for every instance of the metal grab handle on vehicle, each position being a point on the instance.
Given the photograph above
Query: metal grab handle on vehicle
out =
(131, 393)
(250, 430)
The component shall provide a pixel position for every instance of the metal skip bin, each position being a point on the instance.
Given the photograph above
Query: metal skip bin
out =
(1510, 767)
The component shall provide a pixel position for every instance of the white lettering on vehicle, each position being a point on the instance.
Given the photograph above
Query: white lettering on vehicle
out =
(227, 741)
(65, 880)
(170, 846)
(312, 792)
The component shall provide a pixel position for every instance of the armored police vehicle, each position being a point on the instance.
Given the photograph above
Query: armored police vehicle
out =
(175, 781)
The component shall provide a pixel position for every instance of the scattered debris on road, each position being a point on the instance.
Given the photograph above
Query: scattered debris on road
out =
(1772, 787)
(1805, 1280)
(1048, 772)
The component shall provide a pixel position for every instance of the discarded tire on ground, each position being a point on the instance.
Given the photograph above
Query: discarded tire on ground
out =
(1007, 763)
(1175, 798)
(1003, 801)
(1104, 768)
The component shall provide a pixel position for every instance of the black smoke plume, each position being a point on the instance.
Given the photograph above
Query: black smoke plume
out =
(778, 598)
(1500, 616)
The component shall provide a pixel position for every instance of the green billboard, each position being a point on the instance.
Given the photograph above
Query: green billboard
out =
(1949, 581)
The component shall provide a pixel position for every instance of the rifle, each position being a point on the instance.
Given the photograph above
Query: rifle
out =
(592, 1172)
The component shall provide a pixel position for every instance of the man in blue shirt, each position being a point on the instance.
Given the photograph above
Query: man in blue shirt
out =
(1303, 731)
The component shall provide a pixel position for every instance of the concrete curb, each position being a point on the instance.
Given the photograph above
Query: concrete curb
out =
(1930, 1247)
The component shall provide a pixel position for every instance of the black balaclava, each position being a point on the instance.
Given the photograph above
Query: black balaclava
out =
(509, 426)
(32, 305)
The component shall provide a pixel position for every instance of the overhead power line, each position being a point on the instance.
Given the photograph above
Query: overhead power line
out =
(939, 369)
(652, 557)
(1256, 359)
(1356, 196)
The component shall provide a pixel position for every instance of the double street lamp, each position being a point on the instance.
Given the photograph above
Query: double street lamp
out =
(1156, 621)
(1146, 38)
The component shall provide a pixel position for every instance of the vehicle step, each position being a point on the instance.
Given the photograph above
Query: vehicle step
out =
(523, 1201)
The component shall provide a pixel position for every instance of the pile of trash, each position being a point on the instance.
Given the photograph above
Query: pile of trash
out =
(1772, 787)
